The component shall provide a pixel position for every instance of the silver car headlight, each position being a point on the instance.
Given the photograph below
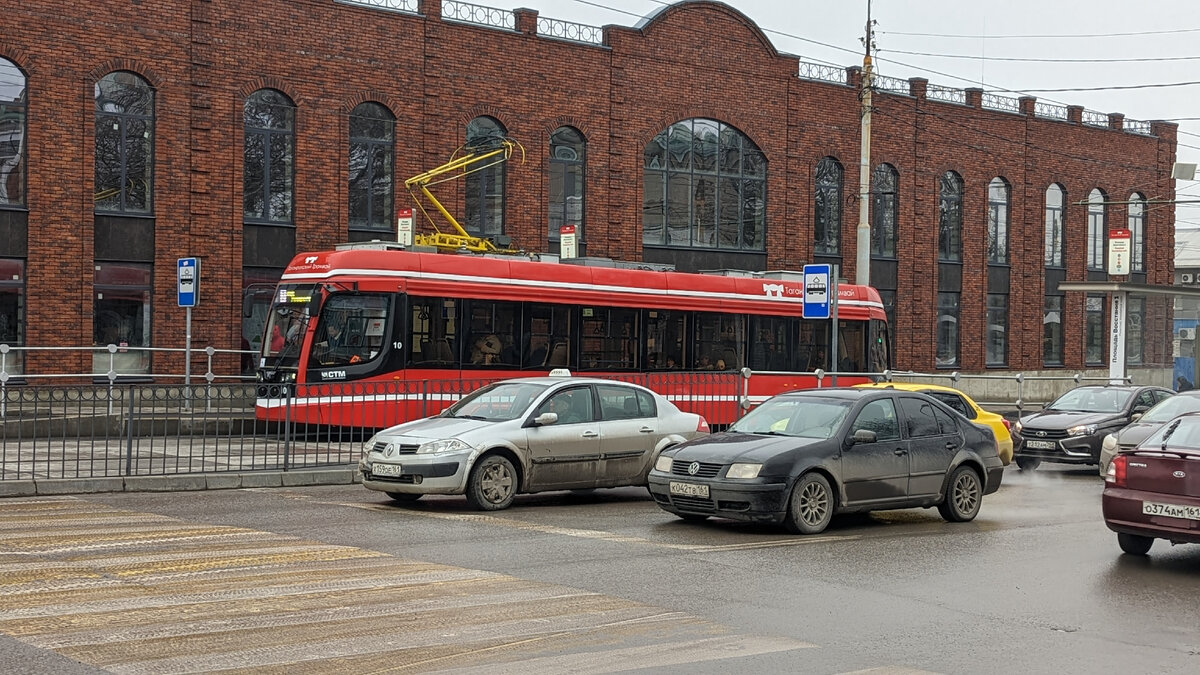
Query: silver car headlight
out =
(1081, 430)
(443, 445)
(366, 448)
(743, 471)
(1109, 443)
(663, 463)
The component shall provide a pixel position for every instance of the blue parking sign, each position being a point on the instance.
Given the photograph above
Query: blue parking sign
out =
(816, 292)
(189, 281)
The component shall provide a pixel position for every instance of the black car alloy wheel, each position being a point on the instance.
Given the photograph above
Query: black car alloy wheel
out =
(964, 496)
(811, 506)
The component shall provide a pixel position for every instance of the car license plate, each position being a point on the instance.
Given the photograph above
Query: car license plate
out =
(1172, 510)
(386, 469)
(689, 489)
(1041, 445)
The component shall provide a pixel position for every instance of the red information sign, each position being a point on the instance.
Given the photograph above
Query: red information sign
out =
(1119, 251)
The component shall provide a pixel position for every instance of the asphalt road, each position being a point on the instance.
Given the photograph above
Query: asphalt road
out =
(338, 579)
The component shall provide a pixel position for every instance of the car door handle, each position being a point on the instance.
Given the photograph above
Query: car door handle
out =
(900, 451)
(951, 446)
(646, 430)
(590, 434)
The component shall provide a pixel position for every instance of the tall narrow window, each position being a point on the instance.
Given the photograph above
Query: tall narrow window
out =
(372, 138)
(1096, 230)
(827, 225)
(1135, 336)
(704, 186)
(1052, 332)
(124, 171)
(884, 181)
(950, 217)
(568, 163)
(998, 207)
(1137, 229)
(485, 187)
(947, 330)
(12, 313)
(268, 169)
(997, 329)
(1056, 199)
(13, 105)
(1093, 338)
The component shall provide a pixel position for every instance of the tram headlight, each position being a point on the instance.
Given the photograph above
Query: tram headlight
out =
(443, 445)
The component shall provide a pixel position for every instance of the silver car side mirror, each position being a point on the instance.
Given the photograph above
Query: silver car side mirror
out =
(545, 419)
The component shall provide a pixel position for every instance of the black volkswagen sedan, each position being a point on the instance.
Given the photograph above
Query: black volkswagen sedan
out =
(803, 456)
(1071, 430)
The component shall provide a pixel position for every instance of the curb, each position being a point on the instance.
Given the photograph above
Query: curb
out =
(178, 482)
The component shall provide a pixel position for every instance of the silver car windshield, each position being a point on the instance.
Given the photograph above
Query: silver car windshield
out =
(806, 417)
(1092, 399)
(497, 402)
(1171, 408)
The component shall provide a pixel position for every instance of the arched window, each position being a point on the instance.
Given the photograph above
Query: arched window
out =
(568, 165)
(485, 187)
(827, 225)
(950, 217)
(1097, 225)
(705, 186)
(124, 173)
(998, 207)
(372, 141)
(1056, 200)
(1137, 229)
(883, 211)
(268, 169)
(13, 106)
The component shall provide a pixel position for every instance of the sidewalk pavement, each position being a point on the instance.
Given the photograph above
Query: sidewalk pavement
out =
(335, 475)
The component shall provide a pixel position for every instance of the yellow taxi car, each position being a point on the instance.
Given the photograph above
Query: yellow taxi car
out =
(959, 401)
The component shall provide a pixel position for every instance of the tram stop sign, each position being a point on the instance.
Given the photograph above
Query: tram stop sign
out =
(1119, 251)
(189, 281)
(816, 292)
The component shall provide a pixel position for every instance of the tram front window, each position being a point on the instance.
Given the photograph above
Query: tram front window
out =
(287, 323)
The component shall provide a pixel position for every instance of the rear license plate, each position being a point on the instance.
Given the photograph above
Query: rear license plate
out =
(386, 469)
(1172, 510)
(1041, 445)
(689, 489)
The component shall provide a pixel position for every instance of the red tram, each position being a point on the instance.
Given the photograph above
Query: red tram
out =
(368, 338)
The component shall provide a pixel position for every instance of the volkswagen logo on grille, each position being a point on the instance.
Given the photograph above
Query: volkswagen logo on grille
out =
(693, 468)
(1179, 474)
(1041, 434)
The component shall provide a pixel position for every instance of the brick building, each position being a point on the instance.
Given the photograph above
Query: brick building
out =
(135, 132)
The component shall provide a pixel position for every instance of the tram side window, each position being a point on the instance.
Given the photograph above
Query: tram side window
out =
(813, 349)
(664, 340)
(608, 338)
(433, 331)
(549, 335)
(771, 343)
(492, 333)
(351, 329)
(852, 347)
(720, 339)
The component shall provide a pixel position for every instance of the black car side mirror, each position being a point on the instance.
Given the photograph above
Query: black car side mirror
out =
(864, 436)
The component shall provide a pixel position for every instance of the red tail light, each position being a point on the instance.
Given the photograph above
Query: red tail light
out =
(702, 425)
(1117, 471)
(1007, 424)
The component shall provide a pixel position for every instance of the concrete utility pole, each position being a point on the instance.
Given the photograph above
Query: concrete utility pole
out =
(862, 267)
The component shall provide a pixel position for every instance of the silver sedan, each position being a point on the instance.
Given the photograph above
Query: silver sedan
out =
(528, 435)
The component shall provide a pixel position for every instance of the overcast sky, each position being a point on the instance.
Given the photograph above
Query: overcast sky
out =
(994, 31)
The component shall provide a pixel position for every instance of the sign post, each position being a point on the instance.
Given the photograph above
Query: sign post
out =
(1119, 252)
(404, 227)
(566, 242)
(188, 278)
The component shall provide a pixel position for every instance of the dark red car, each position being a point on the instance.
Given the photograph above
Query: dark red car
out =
(1152, 491)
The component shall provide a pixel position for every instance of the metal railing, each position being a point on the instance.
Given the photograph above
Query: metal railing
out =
(1095, 119)
(1002, 103)
(952, 379)
(411, 6)
(936, 92)
(892, 85)
(822, 72)
(465, 12)
(1049, 111)
(1138, 127)
(567, 30)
